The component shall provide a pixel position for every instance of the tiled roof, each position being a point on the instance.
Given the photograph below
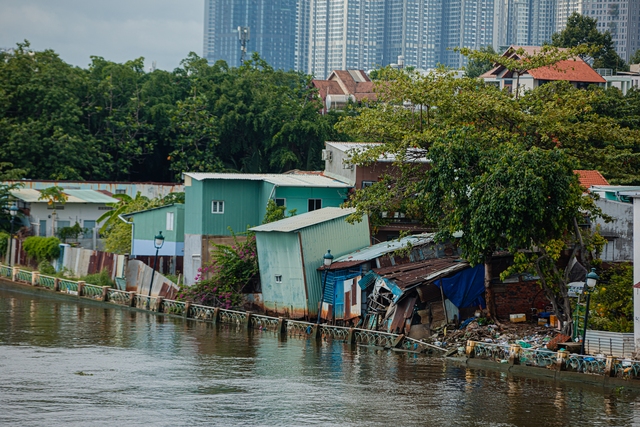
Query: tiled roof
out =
(573, 70)
(590, 177)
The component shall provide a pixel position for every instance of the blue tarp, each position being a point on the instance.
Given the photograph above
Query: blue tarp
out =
(465, 289)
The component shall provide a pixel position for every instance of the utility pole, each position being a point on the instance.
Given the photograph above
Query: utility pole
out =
(243, 37)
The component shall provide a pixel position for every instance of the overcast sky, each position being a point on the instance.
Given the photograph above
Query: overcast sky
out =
(164, 31)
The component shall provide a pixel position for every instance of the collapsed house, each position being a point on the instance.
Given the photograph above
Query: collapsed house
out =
(411, 284)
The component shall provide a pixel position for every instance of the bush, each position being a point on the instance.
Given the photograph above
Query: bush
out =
(73, 232)
(42, 248)
(45, 267)
(4, 243)
(99, 279)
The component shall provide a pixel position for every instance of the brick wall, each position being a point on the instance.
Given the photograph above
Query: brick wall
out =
(519, 297)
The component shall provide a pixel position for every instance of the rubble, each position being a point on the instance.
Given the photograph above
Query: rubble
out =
(527, 335)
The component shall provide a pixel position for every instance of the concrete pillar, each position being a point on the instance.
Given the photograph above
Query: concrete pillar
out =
(35, 275)
(132, 299)
(187, 306)
(216, 315)
(562, 356)
(105, 293)
(514, 354)
(315, 332)
(14, 273)
(351, 338)
(609, 367)
(158, 305)
(81, 287)
(471, 353)
(248, 321)
(56, 284)
(282, 326)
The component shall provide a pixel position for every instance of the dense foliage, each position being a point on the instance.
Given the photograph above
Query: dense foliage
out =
(613, 300)
(501, 164)
(117, 122)
(42, 248)
(232, 269)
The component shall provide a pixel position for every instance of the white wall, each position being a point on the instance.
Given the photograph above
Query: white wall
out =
(72, 212)
(636, 272)
(619, 233)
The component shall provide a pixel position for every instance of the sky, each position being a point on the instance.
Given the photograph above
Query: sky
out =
(164, 31)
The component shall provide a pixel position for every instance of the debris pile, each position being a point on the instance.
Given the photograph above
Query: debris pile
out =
(526, 335)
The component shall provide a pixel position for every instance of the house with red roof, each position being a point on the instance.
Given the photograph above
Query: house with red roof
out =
(574, 70)
(343, 86)
(588, 178)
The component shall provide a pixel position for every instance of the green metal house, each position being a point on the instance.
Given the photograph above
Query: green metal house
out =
(146, 225)
(218, 203)
(291, 251)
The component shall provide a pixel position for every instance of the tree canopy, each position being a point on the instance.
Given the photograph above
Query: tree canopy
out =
(115, 121)
(501, 166)
(583, 30)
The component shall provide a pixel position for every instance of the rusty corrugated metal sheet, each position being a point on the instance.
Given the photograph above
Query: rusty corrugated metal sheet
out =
(407, 275)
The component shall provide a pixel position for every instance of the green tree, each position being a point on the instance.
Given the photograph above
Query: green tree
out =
(635, 58)
(488, 150)
(582, 30)
(477, 67)
(41, 127)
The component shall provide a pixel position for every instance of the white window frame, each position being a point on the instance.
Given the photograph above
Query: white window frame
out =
(217, 206)
(170, 221)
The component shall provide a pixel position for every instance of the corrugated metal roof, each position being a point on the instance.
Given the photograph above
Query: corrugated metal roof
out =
(88, 196)
(152, 209)
(297, 222)
(30, 195)
(416, 155)
(27, 195)
(379, 249)
(280, 180)
(407, 275)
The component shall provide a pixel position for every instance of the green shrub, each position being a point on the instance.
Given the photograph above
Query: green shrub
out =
(42, 248)
(73, 232)
(99, 279)
(45, 267)
(4, 243)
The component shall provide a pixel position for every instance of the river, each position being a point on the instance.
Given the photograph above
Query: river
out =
(75, 363)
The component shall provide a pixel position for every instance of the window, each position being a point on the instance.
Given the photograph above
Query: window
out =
(217, 206)
(315, 204)
(366, 184)
(169, 221)
(281, 202)
(278, 278)
(88, 226)
(121, 191)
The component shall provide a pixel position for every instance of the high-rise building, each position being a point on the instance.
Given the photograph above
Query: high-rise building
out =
(271, 24)
(621, 19)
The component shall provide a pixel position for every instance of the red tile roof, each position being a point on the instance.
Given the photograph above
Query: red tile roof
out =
(573, 70)
(590, 177)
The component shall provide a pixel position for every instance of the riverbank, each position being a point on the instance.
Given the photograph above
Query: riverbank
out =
(512, 358)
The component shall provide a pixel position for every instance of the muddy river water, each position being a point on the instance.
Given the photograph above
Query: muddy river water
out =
(73, 363)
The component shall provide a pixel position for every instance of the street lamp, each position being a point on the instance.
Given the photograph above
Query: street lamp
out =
(13, 210)
(589, 286)
(157, 242)
(328, 259)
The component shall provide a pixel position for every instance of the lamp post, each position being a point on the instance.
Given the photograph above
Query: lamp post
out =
(328, 259)
(589, 286)
(157, 242)
(13, 210)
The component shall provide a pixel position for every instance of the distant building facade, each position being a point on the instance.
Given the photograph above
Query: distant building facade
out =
(272, 31)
